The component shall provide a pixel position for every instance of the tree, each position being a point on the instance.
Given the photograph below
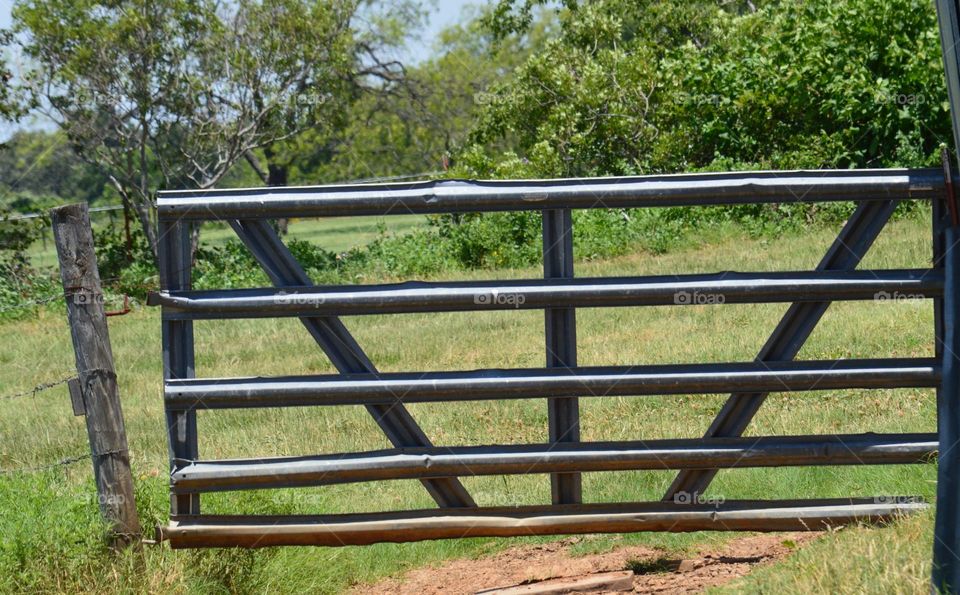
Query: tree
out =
(358, 77)
(37, 164)
(10, 108)
(172, 93)
(418, 128)
(632, 87)
(120, 81)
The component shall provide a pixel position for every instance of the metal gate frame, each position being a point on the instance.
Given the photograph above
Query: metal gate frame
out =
(561, 381)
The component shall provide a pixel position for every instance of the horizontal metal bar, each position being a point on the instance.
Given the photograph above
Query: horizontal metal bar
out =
(421, 463)
(716, 288)
(349, 389)
(795, 327)
(452, 196)
(406, 526)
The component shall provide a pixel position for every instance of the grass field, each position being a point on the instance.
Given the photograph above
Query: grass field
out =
(50, 535)
(337, 234)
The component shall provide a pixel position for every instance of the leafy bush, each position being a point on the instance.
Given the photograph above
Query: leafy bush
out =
(125, 268)
(20, 283)
(630, 87)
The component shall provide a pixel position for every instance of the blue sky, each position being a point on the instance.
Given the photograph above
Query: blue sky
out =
(444, 14)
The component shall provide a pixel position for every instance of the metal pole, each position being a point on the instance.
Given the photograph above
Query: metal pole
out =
(465, 196)
(555, 294)
(561, 345)
(178, 355)
(523, 459)
(796, 326)
(345, 353)
(531, 383)
(417, 525)
(946, 543)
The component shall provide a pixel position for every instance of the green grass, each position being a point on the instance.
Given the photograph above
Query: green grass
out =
(50, 533)
(853, 560)
(337, 234)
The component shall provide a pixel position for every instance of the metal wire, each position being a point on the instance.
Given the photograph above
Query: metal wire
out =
(61, 463)
(37, 389)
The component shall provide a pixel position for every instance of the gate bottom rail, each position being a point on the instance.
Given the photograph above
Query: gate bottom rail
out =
(405, 526)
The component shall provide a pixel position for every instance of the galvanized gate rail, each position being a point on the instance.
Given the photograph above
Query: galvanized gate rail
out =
(561, 380)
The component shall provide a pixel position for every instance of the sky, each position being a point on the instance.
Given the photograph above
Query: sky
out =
(441, 16)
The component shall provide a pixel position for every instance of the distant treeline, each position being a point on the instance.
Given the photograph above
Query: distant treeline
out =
(608, 87)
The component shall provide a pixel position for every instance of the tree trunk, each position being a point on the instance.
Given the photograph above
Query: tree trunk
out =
(277, 176)
(142, 207)
(146, 222)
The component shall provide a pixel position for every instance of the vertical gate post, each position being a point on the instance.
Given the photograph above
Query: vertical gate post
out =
(946, 534)
(561, 344)
(99, 396)
(178, 354)
(946, 542)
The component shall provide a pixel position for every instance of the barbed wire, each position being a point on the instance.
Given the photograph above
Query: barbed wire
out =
(61, 463)
(33, 303)
(37, 389)
(32, 393)
(41, 215)
(59, 296)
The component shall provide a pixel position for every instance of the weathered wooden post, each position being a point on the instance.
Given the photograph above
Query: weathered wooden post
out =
(96, 394)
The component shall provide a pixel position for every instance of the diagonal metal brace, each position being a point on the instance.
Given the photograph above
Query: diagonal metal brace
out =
(344, 352)
(796, 326)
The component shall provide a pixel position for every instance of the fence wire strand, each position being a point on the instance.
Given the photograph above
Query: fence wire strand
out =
(33, 303)
(66, 462)
(32, 393)
(37, 389)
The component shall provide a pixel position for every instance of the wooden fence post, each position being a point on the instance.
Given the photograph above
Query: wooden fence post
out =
(98, 389)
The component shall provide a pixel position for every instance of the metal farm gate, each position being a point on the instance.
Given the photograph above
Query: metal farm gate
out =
(561, 380)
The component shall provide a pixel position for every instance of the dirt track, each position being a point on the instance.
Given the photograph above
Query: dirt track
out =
(655, 572)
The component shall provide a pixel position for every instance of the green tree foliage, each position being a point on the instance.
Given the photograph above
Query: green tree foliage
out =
(18, 279)
(173, 93)
(825, 83)
(10, 107)
(642, 87)
(36, 164)
(402, 126)
(343, 46)
(125, 82)
(421, 128)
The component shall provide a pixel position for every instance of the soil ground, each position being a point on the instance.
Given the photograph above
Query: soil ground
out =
(655, 571)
